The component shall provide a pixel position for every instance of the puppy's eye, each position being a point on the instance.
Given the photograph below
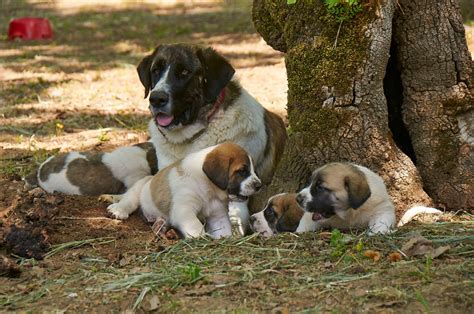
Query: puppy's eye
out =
(184, 73)
(269, 212)
(322, 188)
(243, 171)
(156, 71)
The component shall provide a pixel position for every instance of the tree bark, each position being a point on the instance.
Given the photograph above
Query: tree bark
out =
(436, 73)
(337, 101)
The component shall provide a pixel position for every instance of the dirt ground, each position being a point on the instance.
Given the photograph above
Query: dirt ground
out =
(80, 91)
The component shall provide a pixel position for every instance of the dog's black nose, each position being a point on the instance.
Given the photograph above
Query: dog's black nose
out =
(159, 99)
(252, 219)
(299, 199)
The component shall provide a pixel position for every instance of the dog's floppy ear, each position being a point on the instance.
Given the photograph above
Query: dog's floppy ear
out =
(144, 73)
(216, 167)
(217, 73)
(357, 188)
(285, 224)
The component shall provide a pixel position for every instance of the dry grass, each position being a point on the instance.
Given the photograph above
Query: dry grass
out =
(323, 272)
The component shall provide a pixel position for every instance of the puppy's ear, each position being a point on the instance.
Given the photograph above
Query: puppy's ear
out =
(216, 167)
(291, 215)
(144, 73)
(286, 224)
(357, 188)
(217, 73)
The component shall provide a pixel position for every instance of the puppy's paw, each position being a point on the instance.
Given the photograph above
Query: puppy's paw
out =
(117, 212)
(110, 198)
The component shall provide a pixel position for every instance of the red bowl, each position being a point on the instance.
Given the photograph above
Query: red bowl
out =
(30, 28)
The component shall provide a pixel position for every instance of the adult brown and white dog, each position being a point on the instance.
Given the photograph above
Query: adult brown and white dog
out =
(340, 195)
(194, 190)
(195, 103)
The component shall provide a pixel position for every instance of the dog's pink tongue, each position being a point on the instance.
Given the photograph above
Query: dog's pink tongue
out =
(163, 119)
(316, 216)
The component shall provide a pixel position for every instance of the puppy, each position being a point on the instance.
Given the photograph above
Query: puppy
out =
(349, 196)
(281, 214)
(93, 173)
(340, 195)
(194, 190)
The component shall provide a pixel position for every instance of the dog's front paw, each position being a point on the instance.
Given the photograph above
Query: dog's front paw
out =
(117, 212)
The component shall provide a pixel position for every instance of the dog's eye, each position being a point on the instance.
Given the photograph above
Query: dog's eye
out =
(269, 212)
(243, 171)
(184, 73)
(156, 71)
(322, 188)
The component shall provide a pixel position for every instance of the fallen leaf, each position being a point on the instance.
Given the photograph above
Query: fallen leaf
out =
(419, 245)
(373, 255)
(394, 257)
(438, 251)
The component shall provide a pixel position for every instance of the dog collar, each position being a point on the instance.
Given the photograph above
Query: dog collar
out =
(217, 104)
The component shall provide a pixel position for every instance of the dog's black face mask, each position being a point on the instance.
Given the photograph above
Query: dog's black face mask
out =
(322, 200)
(181, 80)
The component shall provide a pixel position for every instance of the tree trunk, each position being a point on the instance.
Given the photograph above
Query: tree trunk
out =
(337, 97)
(438, 96)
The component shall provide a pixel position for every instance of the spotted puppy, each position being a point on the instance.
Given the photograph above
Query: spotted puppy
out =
(94, 173)
(194, 190)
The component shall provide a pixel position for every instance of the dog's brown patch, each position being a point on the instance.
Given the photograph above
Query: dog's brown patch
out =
(92, 176)
(160, 189)
(276, 140)
(54, 165)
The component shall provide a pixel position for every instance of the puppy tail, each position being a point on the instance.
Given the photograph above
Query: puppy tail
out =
(416, 210)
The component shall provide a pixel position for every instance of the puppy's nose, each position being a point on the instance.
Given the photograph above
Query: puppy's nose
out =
(159, 99)
(252, 219)
(299, 199)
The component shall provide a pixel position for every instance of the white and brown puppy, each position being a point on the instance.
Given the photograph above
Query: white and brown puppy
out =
(196, 103)
(281, 214)
(349, 196)
(95, 173)
(194, 191)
